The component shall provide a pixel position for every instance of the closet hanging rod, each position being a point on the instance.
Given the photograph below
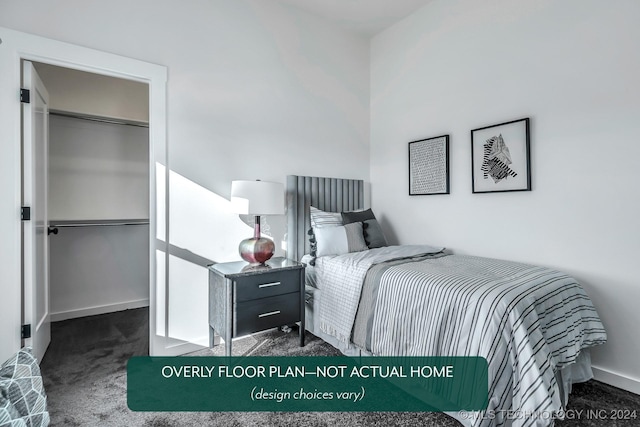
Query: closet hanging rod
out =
(70, 224)
(98, 118)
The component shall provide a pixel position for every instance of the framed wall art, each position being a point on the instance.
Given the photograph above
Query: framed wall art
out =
(429, 166)
(500, 157)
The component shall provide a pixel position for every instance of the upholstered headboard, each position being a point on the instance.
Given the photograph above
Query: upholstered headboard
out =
(327, 194)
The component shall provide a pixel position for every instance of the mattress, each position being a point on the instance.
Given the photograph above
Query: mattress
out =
(532, 324)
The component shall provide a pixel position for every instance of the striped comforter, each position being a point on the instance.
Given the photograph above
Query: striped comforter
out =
(527, 321)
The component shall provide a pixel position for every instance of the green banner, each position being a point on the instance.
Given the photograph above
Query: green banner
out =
(307, 383)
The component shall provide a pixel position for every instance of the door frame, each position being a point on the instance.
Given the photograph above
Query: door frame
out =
(17, 46)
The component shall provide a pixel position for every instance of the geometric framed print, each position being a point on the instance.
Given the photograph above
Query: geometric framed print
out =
(429, 166)
(500, 157)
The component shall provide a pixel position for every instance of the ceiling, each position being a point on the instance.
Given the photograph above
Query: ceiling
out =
(366, 17)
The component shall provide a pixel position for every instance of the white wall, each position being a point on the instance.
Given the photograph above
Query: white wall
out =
(92, 94)
(256, 89)
(97, 171)
(95, 270)
(572, 67)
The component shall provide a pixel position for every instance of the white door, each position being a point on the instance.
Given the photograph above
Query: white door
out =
(35, 130)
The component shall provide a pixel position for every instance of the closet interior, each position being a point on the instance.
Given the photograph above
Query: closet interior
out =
(98, 193)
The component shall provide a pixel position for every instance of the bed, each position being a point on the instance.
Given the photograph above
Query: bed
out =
(534, 325)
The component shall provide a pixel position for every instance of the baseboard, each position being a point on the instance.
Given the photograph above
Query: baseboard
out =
(161, 346)
(100, 309)
(616, 380)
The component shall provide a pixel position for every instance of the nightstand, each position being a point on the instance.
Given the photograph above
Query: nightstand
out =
(245, 299)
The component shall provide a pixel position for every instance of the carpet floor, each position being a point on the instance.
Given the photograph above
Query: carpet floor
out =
(84, 373)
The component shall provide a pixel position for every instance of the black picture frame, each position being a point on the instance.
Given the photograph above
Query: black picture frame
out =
(501, 157)
(429, 166)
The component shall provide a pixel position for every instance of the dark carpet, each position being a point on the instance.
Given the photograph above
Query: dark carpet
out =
(84, 374)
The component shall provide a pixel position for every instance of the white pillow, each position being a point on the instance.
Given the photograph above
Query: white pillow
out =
(321, 219)
(339, 240)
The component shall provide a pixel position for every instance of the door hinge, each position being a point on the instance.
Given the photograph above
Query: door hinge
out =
(25, 96)
(25, 331)
(25, 213)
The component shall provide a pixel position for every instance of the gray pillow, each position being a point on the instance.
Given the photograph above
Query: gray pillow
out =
(373, 235)
(357, 216)
(339, 240)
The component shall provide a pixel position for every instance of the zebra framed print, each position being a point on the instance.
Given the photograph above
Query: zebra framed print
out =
(429, 166)
(500, 157)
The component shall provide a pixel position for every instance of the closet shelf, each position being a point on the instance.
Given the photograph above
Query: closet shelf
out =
(97, 222)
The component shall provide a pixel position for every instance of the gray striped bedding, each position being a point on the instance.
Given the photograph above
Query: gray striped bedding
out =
(342, 277)
(527, 321)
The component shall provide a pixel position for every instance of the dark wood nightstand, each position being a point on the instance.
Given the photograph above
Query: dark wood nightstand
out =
(245, 299)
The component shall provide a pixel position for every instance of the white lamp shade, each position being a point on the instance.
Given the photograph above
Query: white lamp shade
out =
(257, 197)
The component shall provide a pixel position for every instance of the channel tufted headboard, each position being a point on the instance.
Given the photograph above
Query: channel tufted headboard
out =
(327, 194)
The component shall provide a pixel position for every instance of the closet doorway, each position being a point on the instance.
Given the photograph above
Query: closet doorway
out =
(98, 193)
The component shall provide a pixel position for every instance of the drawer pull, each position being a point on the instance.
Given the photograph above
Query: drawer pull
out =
(271, 313)
(268, 285)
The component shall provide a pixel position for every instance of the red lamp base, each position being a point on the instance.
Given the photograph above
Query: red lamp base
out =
(256, 250)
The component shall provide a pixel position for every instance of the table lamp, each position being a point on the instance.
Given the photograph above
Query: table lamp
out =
(257, 198)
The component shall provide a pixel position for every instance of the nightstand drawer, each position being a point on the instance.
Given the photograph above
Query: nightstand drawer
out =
(266, 313)
(267, 285)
